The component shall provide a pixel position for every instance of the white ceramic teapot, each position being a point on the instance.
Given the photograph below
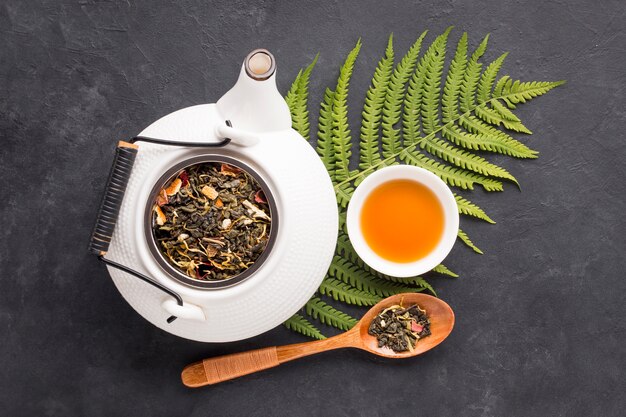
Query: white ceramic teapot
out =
(304, 225)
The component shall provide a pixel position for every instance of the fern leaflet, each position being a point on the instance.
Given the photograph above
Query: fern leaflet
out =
(372, 109)
(329, 315)
(465, 239)
(299, 324)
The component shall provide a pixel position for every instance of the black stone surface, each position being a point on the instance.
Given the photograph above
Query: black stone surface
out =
(540, 328)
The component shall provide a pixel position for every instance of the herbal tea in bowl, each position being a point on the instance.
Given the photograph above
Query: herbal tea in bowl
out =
(211, 222)
(402, 220)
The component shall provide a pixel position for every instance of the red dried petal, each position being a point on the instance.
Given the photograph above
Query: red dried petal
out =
(416, 327)
(184, 178)
(259, 197)
(162, 199)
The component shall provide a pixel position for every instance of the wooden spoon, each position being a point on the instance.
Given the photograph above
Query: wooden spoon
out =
(222, 368)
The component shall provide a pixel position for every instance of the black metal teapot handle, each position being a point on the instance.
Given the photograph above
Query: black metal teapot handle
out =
(125, 155)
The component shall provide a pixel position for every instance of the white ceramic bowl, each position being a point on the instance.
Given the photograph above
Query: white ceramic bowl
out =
(443, 194)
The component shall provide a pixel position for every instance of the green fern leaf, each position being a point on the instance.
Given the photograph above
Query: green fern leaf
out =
(520, 92)
(432, 85)
(509, 120)
(393, 100)
(490, 136)
(299, 324)
(454, 80)
(495, 117)
(342, 220)
(344, 194)
(340, 291)
(351, 274)
(443, 270)
(297, 100)
(345, 249)
(413, 101)
(418, 281)
(342, 140)
(470, 209)
(464, 159)
(497, 92)
(488, 79)
(492, 141)
(471, 78)
(372, 109)
(325, 148)
(292, 94)
(451, 175)
(329, 315)
(425, 285)
(465, 239)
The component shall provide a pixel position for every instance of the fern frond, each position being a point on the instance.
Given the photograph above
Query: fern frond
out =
(465, 239)
(449, 102)
(520, 92)
(395, 94)
(342, 141)
(329, 315)
(491, 141)
(488, 79)
(344, 194)
(411, 117)
(351, 274)
(340, 291)
(443, 270)
(471, 77)
(418, 281)
(325, 148)
(372, 109)
(425, 285)
(291, 96)
(470, 209)
(451, 175)
(345, 249)
(299, 324)
(496, 138)
(464, 159)
(297, 99)
(432, 85)
(495, 117)
(509, 120)
(342, 220)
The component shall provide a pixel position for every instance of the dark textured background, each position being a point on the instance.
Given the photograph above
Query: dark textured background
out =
(540, 328)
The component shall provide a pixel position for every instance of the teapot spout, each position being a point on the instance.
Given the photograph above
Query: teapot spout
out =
(254, 103)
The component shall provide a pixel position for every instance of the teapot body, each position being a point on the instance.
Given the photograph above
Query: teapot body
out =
(292, 271)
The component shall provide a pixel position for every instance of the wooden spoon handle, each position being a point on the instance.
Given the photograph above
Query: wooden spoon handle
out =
(222, 368)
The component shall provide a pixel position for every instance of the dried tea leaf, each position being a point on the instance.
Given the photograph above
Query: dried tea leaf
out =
(211, 240)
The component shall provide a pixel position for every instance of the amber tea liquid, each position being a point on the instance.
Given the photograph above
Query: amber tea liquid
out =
(402, 221)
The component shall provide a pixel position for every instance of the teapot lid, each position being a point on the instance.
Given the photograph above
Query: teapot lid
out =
(254, 102)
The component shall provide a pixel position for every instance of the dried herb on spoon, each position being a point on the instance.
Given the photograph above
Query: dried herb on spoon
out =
(400, 328)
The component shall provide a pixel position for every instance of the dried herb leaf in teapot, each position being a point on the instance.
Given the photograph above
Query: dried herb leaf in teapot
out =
(212, 221)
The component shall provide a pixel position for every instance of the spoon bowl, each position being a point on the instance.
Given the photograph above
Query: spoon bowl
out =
(222, 368)
(439, 313)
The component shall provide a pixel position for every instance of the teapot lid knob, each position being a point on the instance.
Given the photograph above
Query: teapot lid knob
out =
(260, 64)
